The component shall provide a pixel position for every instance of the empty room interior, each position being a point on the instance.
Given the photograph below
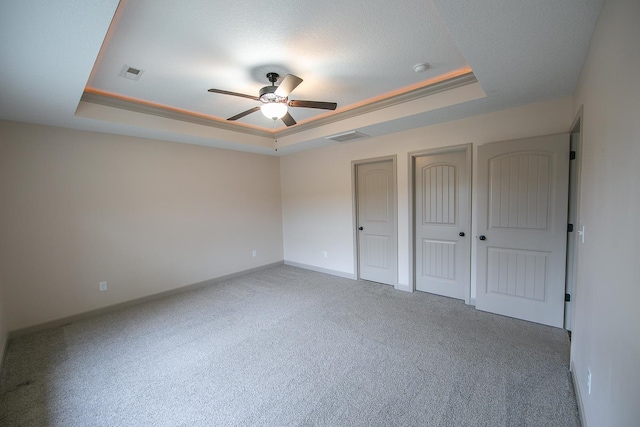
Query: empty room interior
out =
(320, 213)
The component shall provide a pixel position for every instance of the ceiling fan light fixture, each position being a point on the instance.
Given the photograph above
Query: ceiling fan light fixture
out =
(274, 110)
(275, 100)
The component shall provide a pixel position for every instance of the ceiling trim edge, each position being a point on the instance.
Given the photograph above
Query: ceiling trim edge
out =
(441, 86)
(114, 101)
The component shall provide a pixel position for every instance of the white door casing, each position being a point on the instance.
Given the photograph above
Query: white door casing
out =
(376, 223)
(522, 214)
(442, 211)
(572, 218)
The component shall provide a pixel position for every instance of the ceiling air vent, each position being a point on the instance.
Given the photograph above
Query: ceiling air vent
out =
(347, 136)
(130, 73)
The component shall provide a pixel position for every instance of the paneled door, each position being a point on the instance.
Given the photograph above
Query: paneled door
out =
(377, 253)
(442, 249)
(522, 226)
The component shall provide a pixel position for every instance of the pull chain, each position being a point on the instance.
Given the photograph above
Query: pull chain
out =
(275, 140)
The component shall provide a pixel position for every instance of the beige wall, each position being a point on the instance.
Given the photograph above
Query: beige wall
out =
(606, 335)
(77, 208)
(317, 206)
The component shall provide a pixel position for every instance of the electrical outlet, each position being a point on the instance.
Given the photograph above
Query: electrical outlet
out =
(588, 380)
(325, 254)
(255, 254)
(103, 286)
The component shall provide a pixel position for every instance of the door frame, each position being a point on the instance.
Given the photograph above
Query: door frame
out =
(354, 221)
(571, 273)
(468, 149)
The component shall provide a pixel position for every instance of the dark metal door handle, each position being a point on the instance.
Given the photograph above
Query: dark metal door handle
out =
(360, 228)
(461, 234)
(482, 237)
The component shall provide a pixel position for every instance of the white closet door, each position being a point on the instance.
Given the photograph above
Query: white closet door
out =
(442, 224)
(522, 226)
(377, 254)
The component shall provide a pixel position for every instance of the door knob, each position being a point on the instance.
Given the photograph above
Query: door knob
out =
(360, 228)
(482, 237)
(461, 234)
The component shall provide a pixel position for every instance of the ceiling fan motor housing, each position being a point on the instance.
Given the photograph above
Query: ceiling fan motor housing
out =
(267, 94)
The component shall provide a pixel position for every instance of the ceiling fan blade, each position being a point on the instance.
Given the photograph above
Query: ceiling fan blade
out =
(244, 113)
(226, 92)
(313, 104)
(288, 120)
(288, 84)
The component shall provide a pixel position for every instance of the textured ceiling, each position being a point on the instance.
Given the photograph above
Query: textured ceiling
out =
(354, 53)
(346, 52)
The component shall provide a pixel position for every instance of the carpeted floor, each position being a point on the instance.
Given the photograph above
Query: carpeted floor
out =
(290, 347)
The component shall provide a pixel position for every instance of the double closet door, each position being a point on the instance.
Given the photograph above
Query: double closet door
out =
(520, 240)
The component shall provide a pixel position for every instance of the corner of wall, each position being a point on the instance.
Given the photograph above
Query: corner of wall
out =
(321, 270)
(576, 389)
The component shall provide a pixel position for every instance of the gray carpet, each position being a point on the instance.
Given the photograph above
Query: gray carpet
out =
(290, 347)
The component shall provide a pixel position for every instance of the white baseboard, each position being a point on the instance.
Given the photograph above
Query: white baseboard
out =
(403, 288)
(74, 318)
(321, 270)
(576, 390)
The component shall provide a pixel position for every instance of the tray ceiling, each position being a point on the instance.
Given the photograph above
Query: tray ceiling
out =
(66, 68)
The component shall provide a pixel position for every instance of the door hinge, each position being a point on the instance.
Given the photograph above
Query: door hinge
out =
(572, 155)
(567, 297)
(569, 228)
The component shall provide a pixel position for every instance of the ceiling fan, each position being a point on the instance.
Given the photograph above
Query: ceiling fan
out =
(275, 99)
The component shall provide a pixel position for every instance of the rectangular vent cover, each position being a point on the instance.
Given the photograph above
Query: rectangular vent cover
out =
(347, 136)
(130, 73)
